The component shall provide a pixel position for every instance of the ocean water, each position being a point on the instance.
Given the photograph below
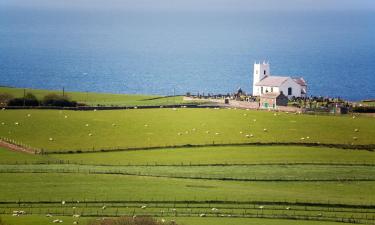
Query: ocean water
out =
(162, 53)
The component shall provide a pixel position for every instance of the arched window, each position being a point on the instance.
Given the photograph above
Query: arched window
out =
(264, 72)
(290, 91)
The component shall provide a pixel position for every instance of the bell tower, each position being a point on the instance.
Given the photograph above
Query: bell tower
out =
(261, 70)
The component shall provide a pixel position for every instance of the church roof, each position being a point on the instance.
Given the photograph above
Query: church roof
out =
(272, 81)
(300, 81)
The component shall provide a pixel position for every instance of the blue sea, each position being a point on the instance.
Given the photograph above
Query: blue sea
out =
(205, 52)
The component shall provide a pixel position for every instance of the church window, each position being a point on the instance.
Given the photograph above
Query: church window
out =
(264, 72)
(290, 91)
(261, 90)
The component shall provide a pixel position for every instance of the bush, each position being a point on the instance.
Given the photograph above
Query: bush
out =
(5, 98)
(28, 100)
(364, 109)
(130, 221)
(58, 100)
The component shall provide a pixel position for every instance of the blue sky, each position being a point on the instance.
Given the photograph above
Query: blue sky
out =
(196, 5)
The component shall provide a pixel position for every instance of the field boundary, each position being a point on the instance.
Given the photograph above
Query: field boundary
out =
(370, 147)
(17, 147)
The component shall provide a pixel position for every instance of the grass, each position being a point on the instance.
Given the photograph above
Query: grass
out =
(11, 157)
(50, 186)
(94, 99)
(33, 220)
(223, 155)
(166, 127)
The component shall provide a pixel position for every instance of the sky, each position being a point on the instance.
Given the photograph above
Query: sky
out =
(195, 5)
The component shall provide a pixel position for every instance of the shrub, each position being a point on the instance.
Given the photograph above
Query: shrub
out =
(5, 98)
(28, 100)
(364, 109)
(58, 100)
(130, 221)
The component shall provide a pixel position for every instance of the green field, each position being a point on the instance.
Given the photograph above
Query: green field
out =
(104, 99)
(246, 184)
(59, 130)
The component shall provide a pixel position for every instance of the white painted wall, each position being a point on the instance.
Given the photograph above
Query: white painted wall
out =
(296, 88)
(261, 70)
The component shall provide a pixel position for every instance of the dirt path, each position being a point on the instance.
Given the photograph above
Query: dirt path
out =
(16, 148)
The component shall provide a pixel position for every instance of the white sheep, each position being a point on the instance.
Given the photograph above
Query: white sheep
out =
(261, 207)
(50, 139)
(143, 207)
(202, 215)
(76, 216)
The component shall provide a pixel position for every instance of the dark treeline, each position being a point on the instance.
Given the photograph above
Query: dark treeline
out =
(31, 100)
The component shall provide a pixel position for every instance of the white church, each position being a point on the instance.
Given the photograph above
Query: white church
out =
(264, 83)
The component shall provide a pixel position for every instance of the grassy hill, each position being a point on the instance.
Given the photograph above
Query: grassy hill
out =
(246, 185)
(54, 130)
(94, 99)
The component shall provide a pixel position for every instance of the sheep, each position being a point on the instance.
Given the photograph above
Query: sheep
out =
(29, 115)
(63, 203)
(76, 216)
(174, 109)
(2, 123)
(15, 214)
(302, 138)
(179, 134)
(75, 222)
(287, 208)
(261, 207)
(57, 221)
(355, 138)
(87, 125)
(254, 120)
(217, 133)
(247, 135)
(16, 123)
(66, 117)
(162, 220)
(143, 207)
(50, 139)
(48, 215)
(202, 215)
(135, 107)
(265, 130)
(251, 135)
(174, 210)
(207, 132)
(90, 134)
(307, 137)
(146, 125)
(16, 211)
(214, 209)
(240, 132)
(104, 207)
(244, 114)
(21, 212)
(356, 130)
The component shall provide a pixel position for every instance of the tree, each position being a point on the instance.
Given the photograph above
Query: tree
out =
(58, 100)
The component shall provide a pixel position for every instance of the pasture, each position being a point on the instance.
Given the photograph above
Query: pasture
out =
(63, 131)
(103, 99)
(206, 185)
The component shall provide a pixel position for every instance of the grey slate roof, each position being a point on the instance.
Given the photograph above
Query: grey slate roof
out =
(272, 81)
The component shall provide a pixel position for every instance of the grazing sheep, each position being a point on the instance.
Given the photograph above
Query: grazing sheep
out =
(16, 123)
(356, 130)
(15, 214)
(302, 138)
(261, 207)
(265, 130)
(143, 207)
(202, 215)
(217, 133)
(28, 115)
(207, 132)
(244, 114)
(87, 125)
(251, 135)
(308, 137)
(355, 138)
(240, 132)
(247, 135)
(76, 216)
(48, 215)
(2, 123)
(50, 139)
(214, 209)
(162, 220)
(146, 125)
(75, 222)
(63, 202)
(90, 134)
(287, 208)
(104, 207)
(174, 210)
(179, 134)
(254, 120)
(57, 221)
(66, 117)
